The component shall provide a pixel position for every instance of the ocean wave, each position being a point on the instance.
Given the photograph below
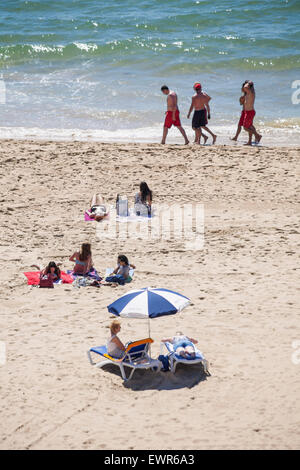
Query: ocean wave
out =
(177, 56)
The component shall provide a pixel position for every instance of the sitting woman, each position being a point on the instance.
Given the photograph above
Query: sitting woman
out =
(121, 274)
(115, 347)
(182, 345)
(83, 259)
(99, 209)
(51, 269)
(143, 200)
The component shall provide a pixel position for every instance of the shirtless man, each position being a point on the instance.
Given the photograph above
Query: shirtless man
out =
(202, 111)
(172, 115)
(242, 117)
(249, 112)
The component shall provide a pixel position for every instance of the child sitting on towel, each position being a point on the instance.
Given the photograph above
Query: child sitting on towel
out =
(121, 274)
(182, 345)
(52, 269)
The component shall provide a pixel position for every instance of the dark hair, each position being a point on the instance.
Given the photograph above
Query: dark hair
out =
(245, 83)
(145, 191)
(164, 87)
(53, 265)
(85, 251)
(124, 259)
(249, 82)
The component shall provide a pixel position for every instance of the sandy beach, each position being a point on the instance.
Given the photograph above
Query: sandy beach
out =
(242, 286)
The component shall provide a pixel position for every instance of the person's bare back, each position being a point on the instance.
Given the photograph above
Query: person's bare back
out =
(200, 101)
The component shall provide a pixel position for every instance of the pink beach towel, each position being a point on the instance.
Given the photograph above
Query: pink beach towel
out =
(87, 218)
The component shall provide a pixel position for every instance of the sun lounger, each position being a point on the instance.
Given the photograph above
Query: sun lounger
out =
(177, 359)
(135, 357)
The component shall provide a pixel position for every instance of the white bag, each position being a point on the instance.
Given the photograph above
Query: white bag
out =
(122, 206)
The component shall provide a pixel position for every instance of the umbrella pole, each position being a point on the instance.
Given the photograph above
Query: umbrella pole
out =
(149, 335)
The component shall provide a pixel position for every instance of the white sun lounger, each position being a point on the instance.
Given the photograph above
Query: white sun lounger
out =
(135, 357)
(177, 359)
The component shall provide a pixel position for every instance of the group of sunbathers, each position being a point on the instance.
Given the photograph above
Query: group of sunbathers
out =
(83, 258)
(143, 199)
(200, 105)
(84, 267)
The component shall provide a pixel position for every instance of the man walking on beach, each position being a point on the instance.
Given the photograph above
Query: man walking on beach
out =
(172, 115)
(202, 111)
(249, 112)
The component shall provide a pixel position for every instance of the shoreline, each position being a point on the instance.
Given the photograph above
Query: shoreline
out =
(271, 137)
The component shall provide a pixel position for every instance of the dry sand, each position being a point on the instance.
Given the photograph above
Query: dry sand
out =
(243, 287)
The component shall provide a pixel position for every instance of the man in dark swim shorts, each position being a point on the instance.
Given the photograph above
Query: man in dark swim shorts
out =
(202, 111)
(199, 119)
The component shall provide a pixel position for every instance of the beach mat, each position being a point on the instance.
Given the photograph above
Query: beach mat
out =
(33, 278)
(87, 218)
(93, 274)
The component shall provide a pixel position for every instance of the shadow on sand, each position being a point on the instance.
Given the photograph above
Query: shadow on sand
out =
(185, 377)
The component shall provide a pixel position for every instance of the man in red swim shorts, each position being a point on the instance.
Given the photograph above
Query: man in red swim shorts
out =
(172, 115)
(249, 112)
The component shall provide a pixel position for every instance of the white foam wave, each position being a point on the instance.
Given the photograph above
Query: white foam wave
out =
(271, 136)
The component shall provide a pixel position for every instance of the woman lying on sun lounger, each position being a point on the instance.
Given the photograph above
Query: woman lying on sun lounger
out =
(121, 274)
(115, 347)
(99, 209)
(52, 269)
(182, 345)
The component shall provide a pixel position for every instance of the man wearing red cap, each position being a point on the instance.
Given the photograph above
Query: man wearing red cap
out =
(172, 115)
(202, 111)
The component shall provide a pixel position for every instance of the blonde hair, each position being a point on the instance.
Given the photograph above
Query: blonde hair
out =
(114, 326)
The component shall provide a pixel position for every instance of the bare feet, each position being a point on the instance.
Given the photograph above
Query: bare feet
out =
(205, 139)
(163, 143)
(258, 139)
(234, 138)
(186, 142)
(248, 143)
(214, 139)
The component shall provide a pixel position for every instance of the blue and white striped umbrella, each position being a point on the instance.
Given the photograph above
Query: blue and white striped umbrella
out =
(148, 303)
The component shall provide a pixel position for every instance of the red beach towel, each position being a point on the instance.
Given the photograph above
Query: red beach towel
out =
(33, 278)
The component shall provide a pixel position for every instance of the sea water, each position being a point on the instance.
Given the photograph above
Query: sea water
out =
(92, 69)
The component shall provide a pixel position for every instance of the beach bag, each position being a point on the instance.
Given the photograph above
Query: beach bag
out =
(165, 363)
(122, 206)
(46, 281)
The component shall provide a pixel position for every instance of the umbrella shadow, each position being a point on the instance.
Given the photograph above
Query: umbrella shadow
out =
(185, 377)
